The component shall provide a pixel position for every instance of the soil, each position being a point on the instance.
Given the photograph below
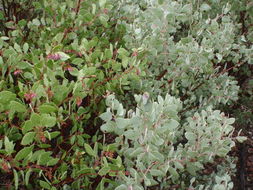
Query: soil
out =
(244, 176)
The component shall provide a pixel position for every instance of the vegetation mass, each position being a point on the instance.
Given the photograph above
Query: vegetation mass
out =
(124, 94)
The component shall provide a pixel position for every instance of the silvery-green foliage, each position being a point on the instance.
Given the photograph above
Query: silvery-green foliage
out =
(149, 139)
(189, 44)
(210, 133)
(222, 182)
(221, 179)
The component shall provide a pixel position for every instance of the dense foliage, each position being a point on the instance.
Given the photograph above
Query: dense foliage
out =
(106, 94)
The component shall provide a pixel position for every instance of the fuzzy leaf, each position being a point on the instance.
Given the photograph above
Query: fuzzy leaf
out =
(16, 106)
(9, 146)
(23, 153)
(28, 138)
(15, 179)
(89, 150)
(45, 185)
(46, 108)
(107, 116)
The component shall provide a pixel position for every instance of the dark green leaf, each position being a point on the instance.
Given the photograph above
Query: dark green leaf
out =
(23, 153)
(45, 185)
(89, 150)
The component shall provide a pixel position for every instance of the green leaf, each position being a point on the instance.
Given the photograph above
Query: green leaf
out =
(102, 3)
(47, 135)
(54, 134)
(23, 153)
(122, 123)
(178, 165)
(160, 1)
(36, 22)
(63, 56)
(131, 134)
(104, 170)
(45, 185)
(15, 178)
(25, 47)
(157, 156)
(119, 161)
(35, 119)
(89, 150)
(123, 52)
(190, 136)
(191, 168)
(107, 116)
(172, 125)
(1, 15)
(100, 186)
(22, 23)
(222, 151)
(44, 158)
(1, 42)
(155, 172)
(108, 127)
(28, 138)
(6, 96)
(136, 152)
(77, 61)
(85, 170)
(5, 38)
(173, 173)
(17, 48)
(27, 177)
(96, 148)
(205, 7)
(16, 106)
(108, 54)
(27, 126)
(36, 155)
(241, 139)
(230, 121)
(58, 38)
(46, 108)
(47, 120)
(52, 161)
(9, 146)
(103, 19)
(122, 187)
(1, 61)
(23, 65)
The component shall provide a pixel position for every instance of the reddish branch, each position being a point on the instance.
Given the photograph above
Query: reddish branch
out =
(226, 70)
(161, 74)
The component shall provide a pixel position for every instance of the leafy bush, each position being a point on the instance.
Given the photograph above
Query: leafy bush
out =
(65, 66)
(52, 86)
(149, 140)
(189, 49)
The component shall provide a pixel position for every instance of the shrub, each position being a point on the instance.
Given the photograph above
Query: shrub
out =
(150, 141)
(190, 47)
(55, 71)
(65, 66)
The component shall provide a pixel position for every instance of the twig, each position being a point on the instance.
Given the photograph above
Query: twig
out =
(161, 75)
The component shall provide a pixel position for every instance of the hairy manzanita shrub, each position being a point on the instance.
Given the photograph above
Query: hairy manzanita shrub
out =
(64, 64)
(190, 48)
(150, 141)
